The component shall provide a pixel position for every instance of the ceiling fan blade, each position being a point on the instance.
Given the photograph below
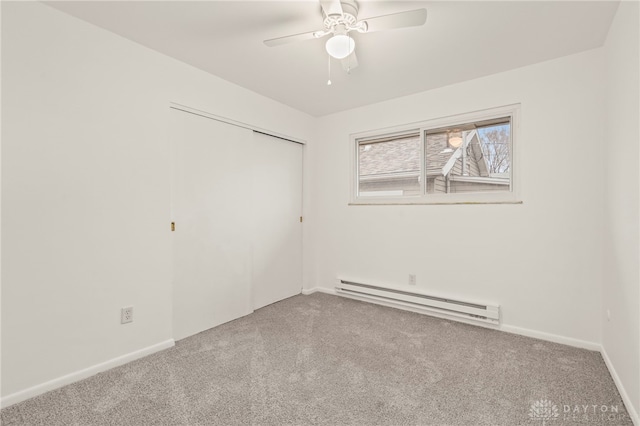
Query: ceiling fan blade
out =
(331, 7)
(350, 62)
(411, 18)
(290, 39)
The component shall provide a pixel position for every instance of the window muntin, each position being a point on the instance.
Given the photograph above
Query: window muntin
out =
(463, 159)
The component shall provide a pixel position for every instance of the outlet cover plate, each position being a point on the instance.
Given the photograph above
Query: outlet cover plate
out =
(126, 315)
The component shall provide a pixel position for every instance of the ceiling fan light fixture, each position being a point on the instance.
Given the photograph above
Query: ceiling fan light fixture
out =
(340, 46)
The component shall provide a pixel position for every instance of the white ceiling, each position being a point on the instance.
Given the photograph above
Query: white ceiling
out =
(460, 41)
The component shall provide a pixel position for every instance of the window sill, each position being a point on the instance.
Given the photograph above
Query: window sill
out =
(425, 203)
(441, 199)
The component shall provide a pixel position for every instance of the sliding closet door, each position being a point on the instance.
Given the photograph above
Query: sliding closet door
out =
(211, 207)
(277, 231)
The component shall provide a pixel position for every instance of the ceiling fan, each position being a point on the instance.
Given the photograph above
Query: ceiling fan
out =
(340, 18)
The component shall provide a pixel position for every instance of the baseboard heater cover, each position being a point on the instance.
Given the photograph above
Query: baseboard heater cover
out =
(456, 308)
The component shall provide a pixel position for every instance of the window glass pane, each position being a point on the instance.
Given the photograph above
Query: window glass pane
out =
(495, 146)
(390, 167)
(468, 158)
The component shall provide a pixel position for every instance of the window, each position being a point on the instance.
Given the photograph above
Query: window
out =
(462, 159)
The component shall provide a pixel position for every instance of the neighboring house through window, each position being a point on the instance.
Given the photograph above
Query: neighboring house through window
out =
(390, 166)
(460, 159)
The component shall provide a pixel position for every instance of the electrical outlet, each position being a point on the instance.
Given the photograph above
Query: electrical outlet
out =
(412, 279)
(126, 315)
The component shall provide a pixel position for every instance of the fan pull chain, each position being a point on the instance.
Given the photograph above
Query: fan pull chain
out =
(348, 40)
(329, 71)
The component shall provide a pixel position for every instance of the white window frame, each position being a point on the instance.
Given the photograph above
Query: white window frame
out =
(497, 197)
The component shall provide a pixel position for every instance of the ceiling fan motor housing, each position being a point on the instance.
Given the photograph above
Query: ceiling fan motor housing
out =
(348, 18)
(350, 7)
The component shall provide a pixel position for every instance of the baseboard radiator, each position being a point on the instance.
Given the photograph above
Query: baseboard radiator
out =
(419, 302)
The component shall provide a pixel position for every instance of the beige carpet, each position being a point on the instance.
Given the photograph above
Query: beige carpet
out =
(322, 359)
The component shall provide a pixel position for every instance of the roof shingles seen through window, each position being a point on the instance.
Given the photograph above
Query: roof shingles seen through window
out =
(391, 157)
(403, 156)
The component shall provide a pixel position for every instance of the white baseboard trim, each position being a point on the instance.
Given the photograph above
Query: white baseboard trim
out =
(309, 291)
(623, 393)
(67, 379)
(555, 338)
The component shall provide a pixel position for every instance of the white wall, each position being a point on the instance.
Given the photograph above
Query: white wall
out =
(541, 261)
(85, 188)
(621, 284)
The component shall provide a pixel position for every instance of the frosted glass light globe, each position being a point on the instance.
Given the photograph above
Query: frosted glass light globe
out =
(340, 46)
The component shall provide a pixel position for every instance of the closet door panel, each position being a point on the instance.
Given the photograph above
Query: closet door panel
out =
(211, 207)
(277, 231)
